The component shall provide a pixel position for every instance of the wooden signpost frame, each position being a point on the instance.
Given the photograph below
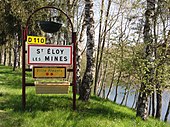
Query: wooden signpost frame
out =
(24, 69)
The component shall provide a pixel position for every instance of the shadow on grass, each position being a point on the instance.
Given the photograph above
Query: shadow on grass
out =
(9, 77)
(36, 103)
(102, 110)
(61, 102)
(96, 111)
(8, 70)
(96, 108)
(13, 83)
(11, 106)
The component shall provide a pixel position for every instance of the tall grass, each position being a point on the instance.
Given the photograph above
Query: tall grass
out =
(56, 110)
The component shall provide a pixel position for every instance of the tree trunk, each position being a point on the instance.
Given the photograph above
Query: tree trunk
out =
(102, 79)
(9, 55)
(142, 104)
(117, 85)
(150, 105)
(16, 52)
(136, 101)
(116, 93)
(159, 101)
(128, 91)
(153, 103)
(19, 56)
(102, 84)
(15, 59)
(147, 80)
(135, 96)
(106, 67)
(104, 90)
(79, 55)
(161, 66)
(87, 81)
(167, 112)
(1, 54)
(124, 96)
(4, 62)
(111, 84)
(98, 48)
(103, 44)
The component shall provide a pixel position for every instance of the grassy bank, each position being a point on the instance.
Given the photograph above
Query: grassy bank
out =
(56, 110)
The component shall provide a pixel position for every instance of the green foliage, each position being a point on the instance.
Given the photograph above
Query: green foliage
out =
(56, 110)
(124, 61)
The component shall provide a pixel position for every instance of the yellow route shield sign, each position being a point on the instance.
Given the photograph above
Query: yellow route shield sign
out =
(49, 72)
(36, 40)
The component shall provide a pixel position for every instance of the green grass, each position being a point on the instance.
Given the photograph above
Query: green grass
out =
(56, 110)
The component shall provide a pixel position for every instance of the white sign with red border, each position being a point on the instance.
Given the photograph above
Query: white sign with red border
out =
(49, 54)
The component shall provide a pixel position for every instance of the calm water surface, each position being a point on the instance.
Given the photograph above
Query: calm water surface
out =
(165, 99)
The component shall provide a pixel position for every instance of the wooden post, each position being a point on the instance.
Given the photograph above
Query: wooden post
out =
(24, 32)
(74, 69)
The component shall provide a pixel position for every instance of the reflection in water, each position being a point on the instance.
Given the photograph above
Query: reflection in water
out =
(130, 100)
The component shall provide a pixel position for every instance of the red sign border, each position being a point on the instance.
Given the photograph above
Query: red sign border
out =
(49, 45)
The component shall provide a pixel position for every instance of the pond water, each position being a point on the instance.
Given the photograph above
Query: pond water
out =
(130, 100)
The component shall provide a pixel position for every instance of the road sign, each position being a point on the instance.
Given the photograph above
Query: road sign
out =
(49, 72)
(49, 55)
(36, 40)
